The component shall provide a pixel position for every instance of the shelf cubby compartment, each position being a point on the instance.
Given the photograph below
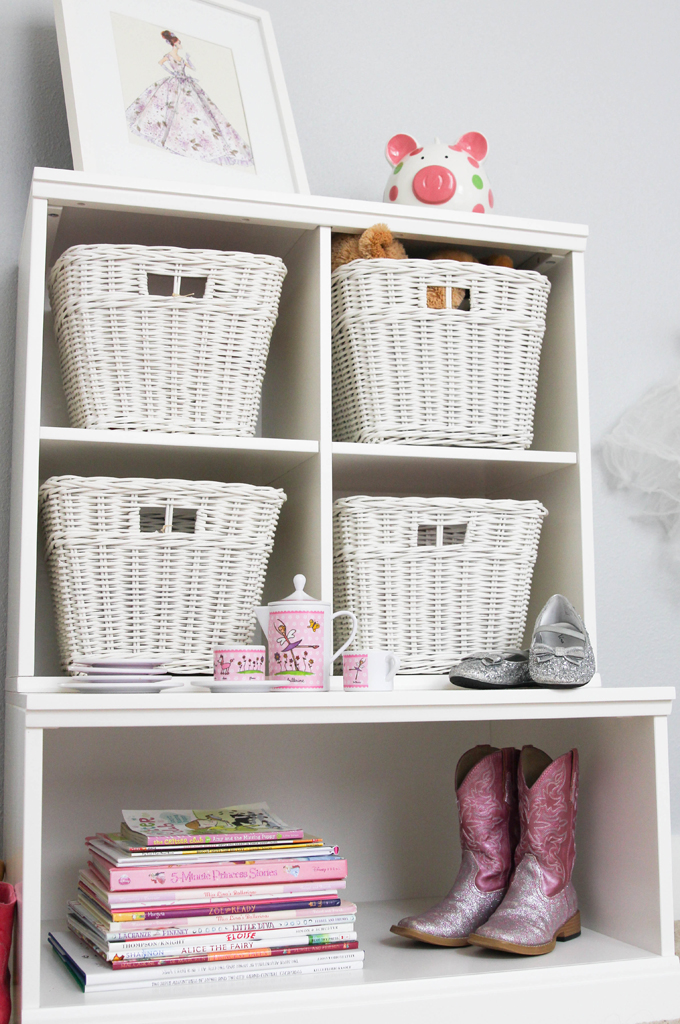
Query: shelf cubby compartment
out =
(372, 771)
(313, 755)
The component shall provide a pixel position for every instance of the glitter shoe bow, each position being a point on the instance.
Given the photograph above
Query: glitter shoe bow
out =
(490, 658)
(543, 653)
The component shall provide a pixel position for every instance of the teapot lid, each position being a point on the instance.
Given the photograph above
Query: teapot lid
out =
(299, 593)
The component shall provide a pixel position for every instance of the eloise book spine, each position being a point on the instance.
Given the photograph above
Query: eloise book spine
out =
(197, 947)
(194, 944)
(235, 954)
(228, 874)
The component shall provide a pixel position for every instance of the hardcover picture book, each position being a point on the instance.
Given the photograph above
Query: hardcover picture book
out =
(253, 822)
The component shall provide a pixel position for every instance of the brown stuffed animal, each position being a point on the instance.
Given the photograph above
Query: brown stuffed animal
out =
(436, 298)
(376, 243)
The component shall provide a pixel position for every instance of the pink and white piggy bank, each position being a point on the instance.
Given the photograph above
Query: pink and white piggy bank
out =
(439, 175)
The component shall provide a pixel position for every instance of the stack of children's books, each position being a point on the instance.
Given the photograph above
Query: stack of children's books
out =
(188, 897)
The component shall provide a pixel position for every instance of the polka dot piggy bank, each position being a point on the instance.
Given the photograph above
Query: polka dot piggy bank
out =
(439, 175)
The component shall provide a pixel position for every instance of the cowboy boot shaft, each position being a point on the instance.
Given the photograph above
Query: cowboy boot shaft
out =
(486, 788)
(540, 906)
(547, 808)
(489, 818)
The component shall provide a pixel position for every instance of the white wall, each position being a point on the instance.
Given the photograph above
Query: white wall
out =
(579, 101)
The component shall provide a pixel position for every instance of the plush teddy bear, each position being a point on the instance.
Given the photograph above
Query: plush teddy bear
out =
(376, 243)
(436, 298)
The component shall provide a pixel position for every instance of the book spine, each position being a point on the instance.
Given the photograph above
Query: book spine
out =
(226, 921)
(179, 858)
(271, 972)
(175, 899)
(160, 951)
(245, 954)
(222, 970)
(229, 874)
(229, 837)
(225, 909)
(275, 922)
(123, 898)
(192, 897)
(161, 934)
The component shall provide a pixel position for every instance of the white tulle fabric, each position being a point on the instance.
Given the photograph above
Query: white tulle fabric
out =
(643, 453)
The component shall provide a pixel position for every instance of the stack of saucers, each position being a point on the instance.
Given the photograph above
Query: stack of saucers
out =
(142, 673)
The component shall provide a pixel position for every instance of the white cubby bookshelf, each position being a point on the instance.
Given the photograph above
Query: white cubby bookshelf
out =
(370, 771)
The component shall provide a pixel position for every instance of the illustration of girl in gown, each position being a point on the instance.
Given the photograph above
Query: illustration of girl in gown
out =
(176, 114)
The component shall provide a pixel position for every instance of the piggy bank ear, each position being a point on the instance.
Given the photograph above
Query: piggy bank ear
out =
(398, 147)
(474, 144)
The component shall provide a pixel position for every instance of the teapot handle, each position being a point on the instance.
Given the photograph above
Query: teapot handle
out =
(351, 636)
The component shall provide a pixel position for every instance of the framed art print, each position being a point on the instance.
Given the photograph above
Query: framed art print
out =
(178, 90)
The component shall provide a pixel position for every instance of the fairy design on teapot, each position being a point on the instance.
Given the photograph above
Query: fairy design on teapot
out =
(293, 642)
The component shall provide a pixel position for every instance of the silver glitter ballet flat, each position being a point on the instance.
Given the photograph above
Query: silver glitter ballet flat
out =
(495, 670)
(561, 653)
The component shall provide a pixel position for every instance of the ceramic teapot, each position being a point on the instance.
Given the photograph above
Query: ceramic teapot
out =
(299, 632)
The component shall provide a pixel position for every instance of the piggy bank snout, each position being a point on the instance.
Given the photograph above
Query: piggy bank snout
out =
(434, 184)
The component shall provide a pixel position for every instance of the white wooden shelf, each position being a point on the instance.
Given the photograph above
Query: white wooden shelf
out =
(402, 981)
(75, 710)
(258, 460)
(372, 771)
(467, 472)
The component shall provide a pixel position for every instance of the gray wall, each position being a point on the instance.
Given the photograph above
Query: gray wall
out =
(580, 103)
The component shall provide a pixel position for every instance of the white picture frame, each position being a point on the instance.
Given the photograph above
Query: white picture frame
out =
(140, 105)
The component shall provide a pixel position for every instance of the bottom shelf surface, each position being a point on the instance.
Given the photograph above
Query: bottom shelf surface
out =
(598, 977)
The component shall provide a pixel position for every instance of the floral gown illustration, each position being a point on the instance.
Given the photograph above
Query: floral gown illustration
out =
(176, 114)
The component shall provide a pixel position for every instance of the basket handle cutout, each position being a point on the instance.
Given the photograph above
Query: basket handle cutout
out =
(443, 297)
(433, 535)
(193, 286)
(177, 284)
(167, 519)
(184, 520)
(152, 519)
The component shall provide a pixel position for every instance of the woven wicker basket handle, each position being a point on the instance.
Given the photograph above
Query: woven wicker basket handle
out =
(440, 534)
(199, 283)
(446, 290)
(176, 518)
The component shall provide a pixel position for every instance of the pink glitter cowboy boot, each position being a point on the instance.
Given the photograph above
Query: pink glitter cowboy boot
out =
(541, 905)
(486, 788)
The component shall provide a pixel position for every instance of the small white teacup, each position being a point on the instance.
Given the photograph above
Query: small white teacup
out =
(240, 663)
(369, 670)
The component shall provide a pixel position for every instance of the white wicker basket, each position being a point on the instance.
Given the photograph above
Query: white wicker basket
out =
(434, 579)
(172, 362)
(156, 566)
(407, 374)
